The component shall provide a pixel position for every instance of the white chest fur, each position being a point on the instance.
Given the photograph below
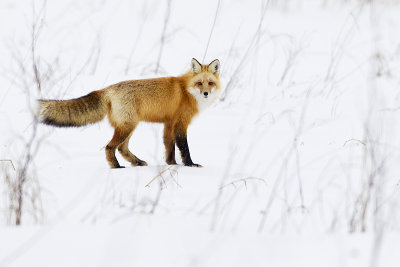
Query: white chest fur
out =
(204, 102)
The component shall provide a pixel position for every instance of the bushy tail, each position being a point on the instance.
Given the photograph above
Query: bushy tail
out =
(75, 112)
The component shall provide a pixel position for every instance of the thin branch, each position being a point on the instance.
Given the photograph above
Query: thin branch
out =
(245, 55)
(212, 30)
(353, 139)
(138, 38)
(11, 162)
(167, 15)
(159, 176)
(244, 181)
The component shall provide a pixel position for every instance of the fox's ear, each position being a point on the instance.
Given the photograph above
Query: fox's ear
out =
(196, 66)
(214, 66)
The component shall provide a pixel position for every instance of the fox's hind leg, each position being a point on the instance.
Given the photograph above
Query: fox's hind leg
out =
(169, 143)
(124, 151)
(120, 135)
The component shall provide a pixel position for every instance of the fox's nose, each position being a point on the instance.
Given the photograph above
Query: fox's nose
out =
(205, 93)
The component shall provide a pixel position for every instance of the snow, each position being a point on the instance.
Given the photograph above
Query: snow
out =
(309, 118)
(170, 245)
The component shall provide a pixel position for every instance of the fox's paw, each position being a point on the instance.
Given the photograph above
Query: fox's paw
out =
(194, 165)
(172, 162)
(139, 162)
(118, 167)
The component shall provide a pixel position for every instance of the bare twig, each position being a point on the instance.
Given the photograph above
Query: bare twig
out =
(167, 15)
(138, 37)
(292, 54)
(22, 187)
(292, 150)
(10, 161)
(244, 181)
(342, 38)
(212, 30)
(157, 200)
(36, 29)
(160, 175)
(245, 55)
(275, 186)
(356, 140)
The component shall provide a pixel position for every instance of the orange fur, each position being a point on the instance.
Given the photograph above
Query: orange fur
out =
(165, 100)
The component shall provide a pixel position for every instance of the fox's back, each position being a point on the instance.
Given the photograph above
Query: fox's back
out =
(153, 100)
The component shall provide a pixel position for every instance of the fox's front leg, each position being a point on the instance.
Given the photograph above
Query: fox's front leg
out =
(181, 141)
(169, 143)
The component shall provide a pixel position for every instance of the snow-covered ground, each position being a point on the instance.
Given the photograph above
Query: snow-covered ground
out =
(300, 154)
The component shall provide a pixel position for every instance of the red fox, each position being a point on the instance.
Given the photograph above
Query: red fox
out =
(173, 101)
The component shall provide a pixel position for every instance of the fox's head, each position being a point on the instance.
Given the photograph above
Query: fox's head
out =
(204, 84)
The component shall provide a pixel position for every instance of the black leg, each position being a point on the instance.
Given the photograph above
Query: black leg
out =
(183, 146)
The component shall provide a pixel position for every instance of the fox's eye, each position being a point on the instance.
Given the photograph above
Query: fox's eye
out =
(210, 83)
(199, 83)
